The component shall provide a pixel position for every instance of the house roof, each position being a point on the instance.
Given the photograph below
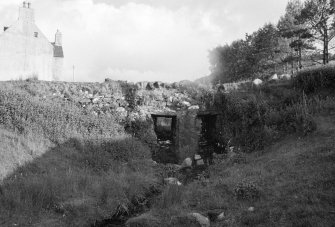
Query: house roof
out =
(58, 51)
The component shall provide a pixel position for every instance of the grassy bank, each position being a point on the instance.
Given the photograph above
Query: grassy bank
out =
(63, 167)
(290, 183)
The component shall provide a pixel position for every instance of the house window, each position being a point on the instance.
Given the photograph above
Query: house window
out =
(36, 34)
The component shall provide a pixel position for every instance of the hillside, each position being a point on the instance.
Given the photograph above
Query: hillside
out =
(290, 183)
(81, 154)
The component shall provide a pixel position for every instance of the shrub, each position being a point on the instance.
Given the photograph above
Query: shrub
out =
(315, 79)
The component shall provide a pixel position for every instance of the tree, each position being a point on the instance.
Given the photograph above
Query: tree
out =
(319, 17)
(298, 36)
(245, 58)
(265, 47)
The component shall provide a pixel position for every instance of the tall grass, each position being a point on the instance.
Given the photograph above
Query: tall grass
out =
(316, 79)
(94, 171)
(250, 120)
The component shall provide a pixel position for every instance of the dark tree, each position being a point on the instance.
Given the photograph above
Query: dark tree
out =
(319, 17)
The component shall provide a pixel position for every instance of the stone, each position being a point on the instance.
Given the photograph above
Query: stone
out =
(95, 100)
(257, 82)
(196, 107)
(251, 209)
(200, 162)
(285, 76)
(187, 163)
(144, 220)
(197, 157)
(201, 219)
(221, 216)
(190, 220)
(172, 180)
(274, 77)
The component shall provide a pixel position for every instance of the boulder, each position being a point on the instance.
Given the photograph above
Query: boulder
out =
(144, 220)
(172, 180)
(285, 76)
(185, 103)
(190, 220)
(201, 219)
(200, 162)
(197, 157)
(274, 77)
(187, 163)
(196, 107)
(257, 82)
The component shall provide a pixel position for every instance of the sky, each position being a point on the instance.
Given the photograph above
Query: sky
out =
(144, 40)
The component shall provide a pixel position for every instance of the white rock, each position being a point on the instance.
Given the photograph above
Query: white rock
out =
(197, 157)
(251, 209)
(274, 77)
(285, 76)
(196, 107)
(200, 162)
(172, 180)
(221, 216)
(202, 220)
(257, 82)
(185, 103)
(186, 163)
(120, 109)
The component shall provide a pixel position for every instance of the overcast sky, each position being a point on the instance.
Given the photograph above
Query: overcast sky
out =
(138, 40)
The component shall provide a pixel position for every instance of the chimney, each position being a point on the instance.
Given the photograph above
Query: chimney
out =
(58, 38)
(26, 13)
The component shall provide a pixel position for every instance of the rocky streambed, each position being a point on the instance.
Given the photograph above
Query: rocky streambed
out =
(136, 213)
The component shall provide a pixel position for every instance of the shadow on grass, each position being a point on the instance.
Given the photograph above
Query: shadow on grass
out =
(77, 183)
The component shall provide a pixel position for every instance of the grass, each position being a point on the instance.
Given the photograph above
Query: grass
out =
(63, 167)
(16, 150)
(295, 179)
(75, 187)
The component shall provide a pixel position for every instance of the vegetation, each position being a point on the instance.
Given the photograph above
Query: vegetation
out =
(61, 166)
(316, 79)
(272, 48)
(289, 183)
